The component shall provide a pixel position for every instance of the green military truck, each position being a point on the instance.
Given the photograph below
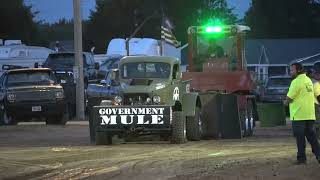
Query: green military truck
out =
(152, 99)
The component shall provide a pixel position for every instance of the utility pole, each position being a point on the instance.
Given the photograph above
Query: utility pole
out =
(136, 31)
(78, 69)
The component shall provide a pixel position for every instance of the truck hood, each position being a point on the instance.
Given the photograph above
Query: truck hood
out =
(143, 86)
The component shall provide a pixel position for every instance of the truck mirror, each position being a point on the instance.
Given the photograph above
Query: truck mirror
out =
(103, 82)
(179, 75)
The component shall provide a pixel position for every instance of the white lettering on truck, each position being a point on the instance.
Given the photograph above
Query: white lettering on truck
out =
(127, 116)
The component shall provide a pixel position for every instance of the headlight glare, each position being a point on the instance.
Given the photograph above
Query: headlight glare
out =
(148, 101)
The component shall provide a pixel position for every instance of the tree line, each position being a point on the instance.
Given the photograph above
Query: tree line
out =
(119, 18)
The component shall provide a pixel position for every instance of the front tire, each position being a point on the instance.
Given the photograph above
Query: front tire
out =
(178, 135)
(103, 138)
(7, 119)
(60, 119)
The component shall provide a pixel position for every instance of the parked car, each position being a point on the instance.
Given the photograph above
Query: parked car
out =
(110, 63)
(106, 89)
(276, 89)
(62, 64)
(31, 93)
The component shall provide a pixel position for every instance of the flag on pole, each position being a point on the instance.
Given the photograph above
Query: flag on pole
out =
(168, 36)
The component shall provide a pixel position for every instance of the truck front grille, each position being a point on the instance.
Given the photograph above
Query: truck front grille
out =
(35, 96)
(135, 99)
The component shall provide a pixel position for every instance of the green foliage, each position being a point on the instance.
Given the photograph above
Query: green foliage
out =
(17, 21)
(62, 30)
(112, 19)
(284, 18)
(119, 18)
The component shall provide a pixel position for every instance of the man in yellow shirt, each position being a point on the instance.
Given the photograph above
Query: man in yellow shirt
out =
(300, 98)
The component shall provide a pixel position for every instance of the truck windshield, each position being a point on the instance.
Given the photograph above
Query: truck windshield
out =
(29, 78)
(141, 70)
(221, 49)
(61, 61)
(215, 47)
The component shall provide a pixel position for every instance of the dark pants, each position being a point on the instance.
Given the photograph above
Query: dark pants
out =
(302, 129)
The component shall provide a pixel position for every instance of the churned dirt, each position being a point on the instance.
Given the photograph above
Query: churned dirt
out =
(37, 151)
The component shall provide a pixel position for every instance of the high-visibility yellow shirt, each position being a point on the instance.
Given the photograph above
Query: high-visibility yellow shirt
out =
(316, 89)
(302, 95)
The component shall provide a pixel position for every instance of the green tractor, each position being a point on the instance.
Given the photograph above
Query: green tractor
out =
(152, 100)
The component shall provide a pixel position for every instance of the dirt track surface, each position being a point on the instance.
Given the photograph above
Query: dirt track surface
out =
(64, 152)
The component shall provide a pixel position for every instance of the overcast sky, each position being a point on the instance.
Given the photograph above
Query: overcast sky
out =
(53, 10)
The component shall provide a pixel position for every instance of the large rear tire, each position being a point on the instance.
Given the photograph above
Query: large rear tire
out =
(103, 138)
(194, 126)
(178, 135)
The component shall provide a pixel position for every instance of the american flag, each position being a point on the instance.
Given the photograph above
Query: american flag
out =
(168, 36)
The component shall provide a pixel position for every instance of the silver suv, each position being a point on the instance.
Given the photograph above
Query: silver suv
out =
(275, 89)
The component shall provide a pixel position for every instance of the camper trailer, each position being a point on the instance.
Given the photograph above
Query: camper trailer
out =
(22, 55)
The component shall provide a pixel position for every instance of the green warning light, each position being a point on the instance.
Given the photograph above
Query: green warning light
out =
(213, 29)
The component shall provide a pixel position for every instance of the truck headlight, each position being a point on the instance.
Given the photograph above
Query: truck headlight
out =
(59, 95)
(11, 97)
(148, 101)
(156, 99)
(118, 99)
